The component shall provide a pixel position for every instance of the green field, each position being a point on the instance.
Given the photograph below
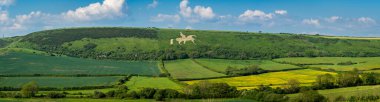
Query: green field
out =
(136, 83)
(363, 63)
(113, 44)
(306, 77)
(348, 91)
(29, 64)
(59, 82)
(221, 65)
(121, 100)
(187, 69)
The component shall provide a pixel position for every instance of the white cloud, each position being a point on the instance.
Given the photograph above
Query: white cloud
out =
(281, 12)
(96, 11)
(366, 20)
(153, 4)
(185, 10)
(333, 19)
(252, 15)
(189, 27)
(164, 17)
(314, 22)
(204, 12)
(6, 2)
(3, 16)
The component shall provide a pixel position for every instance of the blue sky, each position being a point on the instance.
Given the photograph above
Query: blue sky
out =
(328, 17)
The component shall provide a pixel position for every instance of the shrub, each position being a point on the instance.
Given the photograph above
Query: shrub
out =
(56, 95)
(98, 94)
(30, 89)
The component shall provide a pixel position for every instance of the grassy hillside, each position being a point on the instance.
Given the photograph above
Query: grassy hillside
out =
(154, 44)
(30, 64)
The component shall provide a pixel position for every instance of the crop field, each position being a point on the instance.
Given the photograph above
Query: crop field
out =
(188, 69)
(29, 64)
(221, 65)
(306, 77)
(136, 83)
(363, 63)
(107, 44)
(348, 91)
(59, 82)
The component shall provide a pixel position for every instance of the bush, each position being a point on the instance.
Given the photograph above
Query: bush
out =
(56, 95)
(310, 96)
(264, 96)
(147, 93)
(205, 89)
(98, 94)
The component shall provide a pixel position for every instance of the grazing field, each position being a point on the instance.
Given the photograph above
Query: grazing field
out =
(136, 83)
(363, 63)
(109, 44)
(59, 82)
(29, 64)
(188, 69)
(221, 65)
(348, 91)
(306, 77)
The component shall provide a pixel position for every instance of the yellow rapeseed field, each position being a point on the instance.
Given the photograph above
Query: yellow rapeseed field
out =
(275, 79)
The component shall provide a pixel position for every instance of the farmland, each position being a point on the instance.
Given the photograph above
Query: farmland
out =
(187, 69)
(58, 82)
(362, 63)
(138, 82)
(306, 77)
(220, 65)
(349, 91)
(30, 64)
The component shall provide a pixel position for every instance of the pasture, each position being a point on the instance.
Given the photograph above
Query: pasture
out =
(29, 64)
(59, 82)
(188, 69)
(363, 63)
(221, 65)
(276, 79)
(348, 91)
(139, 82)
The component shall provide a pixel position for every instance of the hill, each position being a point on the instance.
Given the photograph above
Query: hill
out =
(154, 44)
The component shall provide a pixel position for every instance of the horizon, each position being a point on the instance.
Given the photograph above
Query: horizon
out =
(336, 18)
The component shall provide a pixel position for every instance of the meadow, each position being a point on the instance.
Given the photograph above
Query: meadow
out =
(122, 100)
(221, 65)
(30, 64)
(363, 63)
(139, 82)
(59, 82)
(347, 92)
(188, 69)
(276, 79)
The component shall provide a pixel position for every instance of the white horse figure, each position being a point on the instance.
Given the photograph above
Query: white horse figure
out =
(185, 38)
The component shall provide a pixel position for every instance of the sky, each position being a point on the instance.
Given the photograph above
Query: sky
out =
(326, 17)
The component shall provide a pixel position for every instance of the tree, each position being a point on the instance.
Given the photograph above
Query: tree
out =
(89, 46)
(29, 89)
(99, 94)
(369, 78)
(310, 96)
(293, 86)
(326, 81)
(349, 78)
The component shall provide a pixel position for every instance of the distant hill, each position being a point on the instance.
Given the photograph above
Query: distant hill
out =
(154, 44)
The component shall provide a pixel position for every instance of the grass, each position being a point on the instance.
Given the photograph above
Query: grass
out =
(347, 92)
(59, 82)
(109, 44)
(138, 82)
(29, 64)
(221, 65)
(187, 69)
(364, 63)
(276, 79)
